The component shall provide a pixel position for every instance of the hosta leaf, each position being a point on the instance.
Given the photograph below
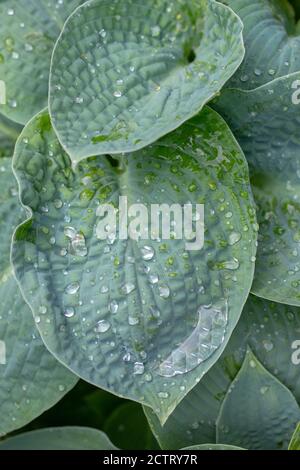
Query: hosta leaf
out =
(273, 333)
(31, 380)
(143, 319)
(258, 412)
(28, 31)
(66, 438)
(126, 72)
(295, 441)
(267, 124)
(272, 41)
(128, 428)
(213, 447)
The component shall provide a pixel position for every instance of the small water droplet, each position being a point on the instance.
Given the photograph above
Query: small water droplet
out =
(164, 291)
(103, 326)
(73, 288)
(138, 368)
(69, 312)
(128, 288)
(147, 253)
(163, 395)
(113, 306)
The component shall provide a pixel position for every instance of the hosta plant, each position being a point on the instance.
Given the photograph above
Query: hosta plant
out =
(150, 224)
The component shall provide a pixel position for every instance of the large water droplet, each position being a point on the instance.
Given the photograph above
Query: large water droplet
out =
(206, 338)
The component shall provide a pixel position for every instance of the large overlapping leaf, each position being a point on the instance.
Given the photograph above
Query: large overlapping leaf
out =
(272, 41)
(144, 319)
(266, 124)
(126, 72)
(31, 380)
(66, 438)
(295, 441)
(273, 333)
(28, 31)
(213, 447)
(258, 412)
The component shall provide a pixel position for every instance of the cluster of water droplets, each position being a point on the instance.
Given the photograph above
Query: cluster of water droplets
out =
(205, 339)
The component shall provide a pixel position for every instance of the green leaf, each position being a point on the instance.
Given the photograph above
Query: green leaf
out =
(272, 332)
(66, 438)
(266, 124)
(295, 441)
(258, 412)
(130, 316)
(272, 41)
(128, 428)
(9, 132)
(126, 72)
(84, 404)
(31, 380)
(28, 31)
(213, 447)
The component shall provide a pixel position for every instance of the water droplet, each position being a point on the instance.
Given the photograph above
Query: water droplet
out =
(163, 395)
(128, 288)
(147, 253)
(117, 94)
(164, 291)
(73, 288)
(70, 232)
(268, 345)
(201, 343)
(69, 312)
(244, 78)
(104, 289)
(61, 388)
(234, 238)
(138, 368)
(103, 326)
(113, 306)
(43, 309)
(153, 278)
(133, 321)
